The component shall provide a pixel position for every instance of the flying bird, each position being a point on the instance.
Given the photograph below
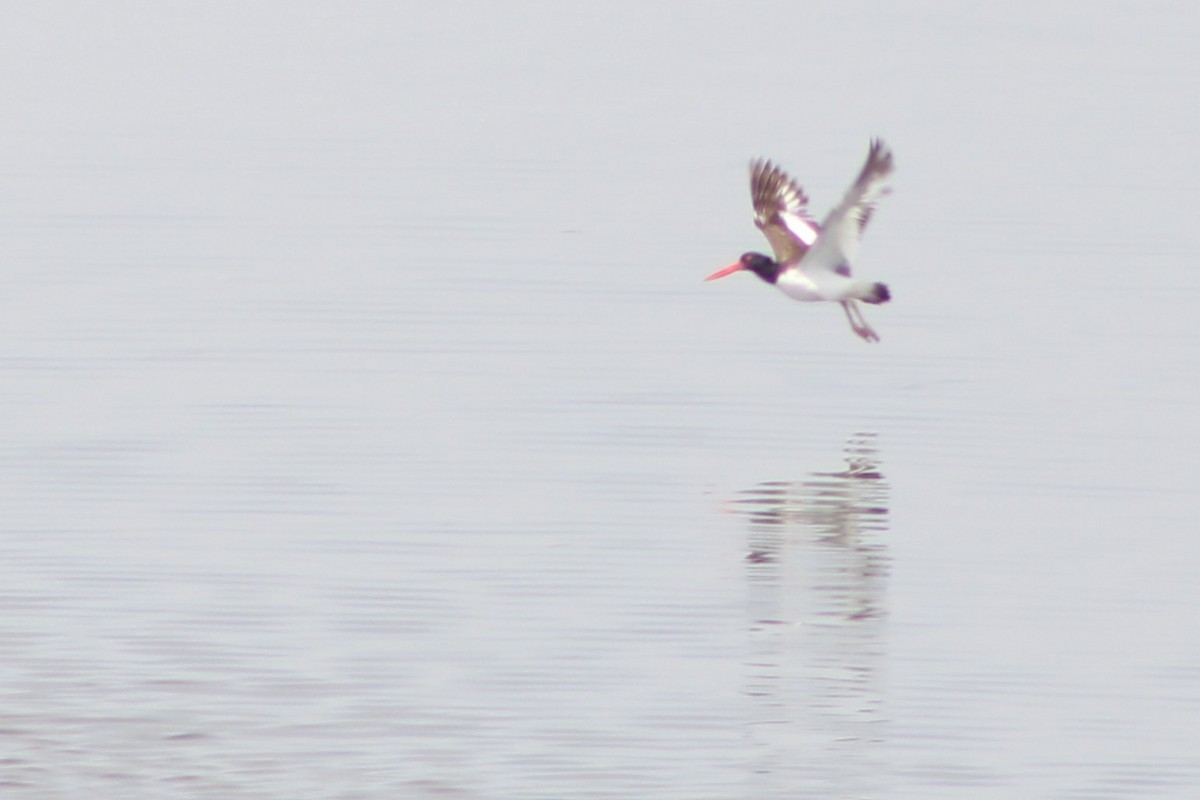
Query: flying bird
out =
(812, 262)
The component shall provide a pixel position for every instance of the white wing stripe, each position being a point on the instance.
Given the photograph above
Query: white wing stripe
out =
(801, 228)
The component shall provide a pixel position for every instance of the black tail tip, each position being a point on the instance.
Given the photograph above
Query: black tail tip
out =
(882, 293)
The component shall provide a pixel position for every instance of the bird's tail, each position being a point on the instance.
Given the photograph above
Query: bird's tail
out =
(875, 293)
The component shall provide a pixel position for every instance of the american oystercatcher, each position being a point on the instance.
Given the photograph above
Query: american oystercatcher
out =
(812, 262)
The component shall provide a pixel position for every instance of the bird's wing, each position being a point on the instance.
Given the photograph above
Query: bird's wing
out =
(781, 212)
(844, 226)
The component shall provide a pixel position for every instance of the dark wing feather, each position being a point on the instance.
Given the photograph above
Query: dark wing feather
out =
(781, 212)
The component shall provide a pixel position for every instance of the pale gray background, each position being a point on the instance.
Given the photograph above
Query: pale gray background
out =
(368, 431)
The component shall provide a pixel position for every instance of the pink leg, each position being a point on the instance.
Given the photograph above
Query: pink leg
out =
(857, 322)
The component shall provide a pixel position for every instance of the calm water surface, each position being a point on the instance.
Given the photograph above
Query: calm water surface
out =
(370, 433)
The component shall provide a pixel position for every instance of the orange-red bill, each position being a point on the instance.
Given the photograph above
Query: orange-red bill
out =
(723, 271)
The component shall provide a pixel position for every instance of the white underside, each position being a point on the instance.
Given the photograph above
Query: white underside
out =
(830, 286)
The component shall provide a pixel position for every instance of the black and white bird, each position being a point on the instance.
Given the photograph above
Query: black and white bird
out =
(812, 262)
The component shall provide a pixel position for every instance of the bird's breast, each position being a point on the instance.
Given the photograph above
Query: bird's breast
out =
(798, 286)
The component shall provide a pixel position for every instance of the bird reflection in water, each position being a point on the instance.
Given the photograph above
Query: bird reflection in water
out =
(816, 580)
(846, 508)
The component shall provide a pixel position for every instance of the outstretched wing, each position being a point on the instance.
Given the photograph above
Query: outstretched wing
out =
(781, 212)
(844, 226)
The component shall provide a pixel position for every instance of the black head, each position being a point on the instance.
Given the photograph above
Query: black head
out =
(757, 263)
(760, 265)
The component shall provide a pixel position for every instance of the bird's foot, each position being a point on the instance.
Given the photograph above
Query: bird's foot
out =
(867, 333)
